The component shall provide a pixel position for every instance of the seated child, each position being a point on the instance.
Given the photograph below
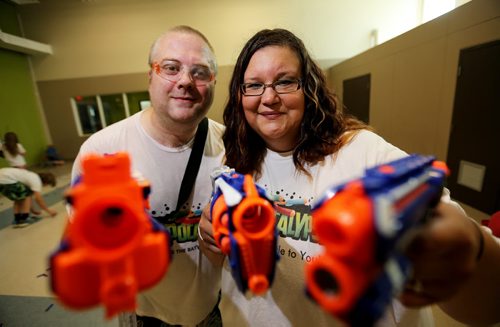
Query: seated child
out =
(52, 156)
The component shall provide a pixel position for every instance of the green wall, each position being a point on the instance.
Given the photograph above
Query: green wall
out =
(19, 110)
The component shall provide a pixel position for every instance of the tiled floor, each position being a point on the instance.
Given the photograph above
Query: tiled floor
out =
(25, 295)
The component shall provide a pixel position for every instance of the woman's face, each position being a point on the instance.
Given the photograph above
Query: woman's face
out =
(275, 117)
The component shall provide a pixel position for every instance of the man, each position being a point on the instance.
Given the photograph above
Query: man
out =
(19, 185)
(159, 141)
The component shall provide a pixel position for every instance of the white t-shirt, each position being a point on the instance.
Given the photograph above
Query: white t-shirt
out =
(17, 160)
(15, 175)
(286, 304)
(189, 290)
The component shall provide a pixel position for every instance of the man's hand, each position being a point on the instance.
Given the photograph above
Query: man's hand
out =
(206, 239)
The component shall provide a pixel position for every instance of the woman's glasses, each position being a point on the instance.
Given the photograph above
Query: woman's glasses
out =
(282, 86)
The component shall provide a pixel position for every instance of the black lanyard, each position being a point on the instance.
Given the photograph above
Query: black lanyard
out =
(190, 174)
(193, 164)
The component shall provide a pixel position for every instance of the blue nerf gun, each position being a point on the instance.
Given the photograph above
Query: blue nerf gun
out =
(244, 227)
(363, 225)
(112, 249)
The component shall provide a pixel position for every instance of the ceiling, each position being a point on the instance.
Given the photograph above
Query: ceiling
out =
(113, 36)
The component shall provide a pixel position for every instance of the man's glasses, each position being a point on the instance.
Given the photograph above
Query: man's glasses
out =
(282, 86)
(172, 71)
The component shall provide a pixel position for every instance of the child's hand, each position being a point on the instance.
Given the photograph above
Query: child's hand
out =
(51, 212)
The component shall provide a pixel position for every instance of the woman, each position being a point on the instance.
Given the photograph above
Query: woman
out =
(288, 130)
(13, 151)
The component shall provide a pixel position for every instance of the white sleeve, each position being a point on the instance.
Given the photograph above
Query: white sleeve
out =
(21, 149)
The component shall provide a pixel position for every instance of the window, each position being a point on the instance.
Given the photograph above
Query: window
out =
(144, 104)
(113, 107)
(137, 101)
(88, 117)
(430, 9)
(93, 113)
(435, 8)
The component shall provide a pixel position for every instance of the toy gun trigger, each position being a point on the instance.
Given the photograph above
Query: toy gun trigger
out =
(119, 287)
(231, 196)
(220, 225)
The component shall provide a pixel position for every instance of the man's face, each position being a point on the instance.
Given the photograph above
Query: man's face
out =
(184, 100)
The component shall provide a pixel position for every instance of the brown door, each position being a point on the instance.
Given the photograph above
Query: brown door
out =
(474, 147)
(356, 97)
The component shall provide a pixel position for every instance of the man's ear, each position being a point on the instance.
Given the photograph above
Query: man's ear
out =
(150, 72)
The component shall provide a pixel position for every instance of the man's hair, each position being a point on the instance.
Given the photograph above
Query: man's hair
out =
(188, 30)
(48, 179)
(323, 126)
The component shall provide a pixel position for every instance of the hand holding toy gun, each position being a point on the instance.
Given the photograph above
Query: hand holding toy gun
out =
(112, 249)
(363, 225)
(244, 226)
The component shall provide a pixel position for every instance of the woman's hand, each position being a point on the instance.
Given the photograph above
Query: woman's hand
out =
(206, 238)
(444, 256)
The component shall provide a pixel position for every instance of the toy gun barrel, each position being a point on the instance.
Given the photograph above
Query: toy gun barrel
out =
(243, 221)
(112, 248)
(363, 225)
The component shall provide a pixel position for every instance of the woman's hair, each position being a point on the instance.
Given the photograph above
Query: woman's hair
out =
(48, 179)
(10, 142)
(323, 126)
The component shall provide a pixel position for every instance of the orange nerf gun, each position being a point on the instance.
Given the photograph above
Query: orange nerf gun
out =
(363, 225)
(112, 248)
(244, 227)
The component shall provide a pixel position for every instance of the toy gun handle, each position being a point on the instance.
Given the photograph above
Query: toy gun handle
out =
(112, 249)
(362, 225)
(244, 228)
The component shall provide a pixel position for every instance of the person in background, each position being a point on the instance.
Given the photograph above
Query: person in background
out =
(20, 185)
(288, 130)
(52, 156)
(13, 151)
(159, 141)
